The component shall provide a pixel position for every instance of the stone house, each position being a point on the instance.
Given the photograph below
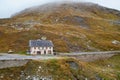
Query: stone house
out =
(41, 47)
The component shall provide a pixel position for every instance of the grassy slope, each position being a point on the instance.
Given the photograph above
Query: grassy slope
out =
(67, 33)
(109, 68)
(60, 70)
(65, 37)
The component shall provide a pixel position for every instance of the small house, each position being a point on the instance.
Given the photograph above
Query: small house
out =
(41, 47)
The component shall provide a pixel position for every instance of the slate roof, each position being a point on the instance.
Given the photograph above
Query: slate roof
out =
(40, 43)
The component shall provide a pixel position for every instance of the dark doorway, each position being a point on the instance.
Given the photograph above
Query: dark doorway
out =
(39, 52)
(44, 52)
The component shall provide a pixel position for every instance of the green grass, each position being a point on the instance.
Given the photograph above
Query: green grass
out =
(22, 52)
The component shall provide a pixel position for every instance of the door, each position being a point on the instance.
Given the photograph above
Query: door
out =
(39, 52)
(44, 51)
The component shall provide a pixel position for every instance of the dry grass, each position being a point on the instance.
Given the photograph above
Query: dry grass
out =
(67, 35)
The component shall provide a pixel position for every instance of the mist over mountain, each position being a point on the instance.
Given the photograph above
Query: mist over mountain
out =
(77, 6)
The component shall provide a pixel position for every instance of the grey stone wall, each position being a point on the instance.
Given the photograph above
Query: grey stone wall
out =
(12, 63)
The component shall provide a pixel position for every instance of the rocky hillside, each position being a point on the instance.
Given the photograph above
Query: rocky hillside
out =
(64, 69)
(71, 26)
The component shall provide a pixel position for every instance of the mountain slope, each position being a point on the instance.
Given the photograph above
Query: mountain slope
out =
(71, 26)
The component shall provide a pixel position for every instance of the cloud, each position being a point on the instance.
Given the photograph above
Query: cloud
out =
(9, 7)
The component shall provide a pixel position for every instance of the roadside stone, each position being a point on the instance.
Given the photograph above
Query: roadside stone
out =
(40, 67)
(1, 76)
(86, 78)
(11, 75)
(27, 77)
(108, 65)
(115, 42)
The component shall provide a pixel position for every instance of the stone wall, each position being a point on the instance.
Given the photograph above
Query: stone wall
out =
(12, 63)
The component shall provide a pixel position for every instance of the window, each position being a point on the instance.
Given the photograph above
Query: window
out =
(44, 47)
(50, 47)
(41, 47)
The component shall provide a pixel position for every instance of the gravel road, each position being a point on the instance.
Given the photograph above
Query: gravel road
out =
(5, 56)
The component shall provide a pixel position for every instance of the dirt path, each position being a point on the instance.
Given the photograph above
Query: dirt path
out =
(5, 56)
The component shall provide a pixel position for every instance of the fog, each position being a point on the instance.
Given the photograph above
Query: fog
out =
(9, 7)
